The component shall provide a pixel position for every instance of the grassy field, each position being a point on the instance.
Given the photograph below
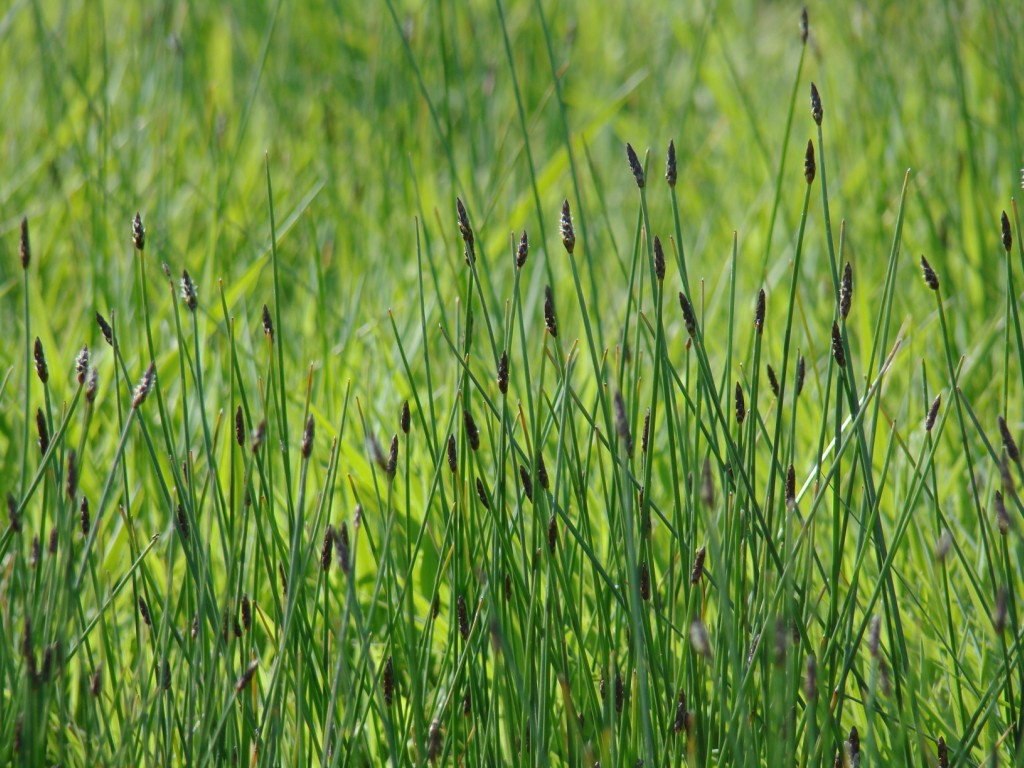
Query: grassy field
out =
(703, 454)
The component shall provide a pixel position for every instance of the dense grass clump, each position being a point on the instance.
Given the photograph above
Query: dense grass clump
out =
(418, 418)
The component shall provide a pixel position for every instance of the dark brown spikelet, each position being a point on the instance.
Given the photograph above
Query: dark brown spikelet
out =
(239, 426)
(144, 612)
(943, 754)
(791, 487)
(182, 519)
(44, 433)
(405, 418)
(145, 385)
(83, 511)
(809, 166)
(82, 364)
(138, 233)
(463, 616)
(306, 447)
(1008, 442)
(645, 582)
(707, 485)
(165, 675)
(552, 533)
(481, 493)
(52, 548)
(24, 249)
(91, 386)
(550, 321)
(999, 612)
(508, 587)
(434, 740)
(268, 323)
(671, 172)
(105, 329)
(246, 612)
(258, 434)
(464, 228)
(679, 724)
(816, 111)
(773, 382)
(688, 316)
(837, 346)
(327, 549)
(853, 746)
(1007, 236)
(453, 464)
(188, 291)
(846, 291)
(698, 566)
(524, 478)
(741, 405)
(37, 354)
(435, 607)
(801, 373)
(1002, 518)
(503, 373)
(759, 312)
(467, 704)
(659, 259)
(620, 693)
(96, 682)
(542, 471)
(622, 424)
(568, 235)
(646, 433)
(33, 557)
(933, 412)
(71, 485)
(634, 165)
(387, 681)
(804, 26)
(930, 278)
(472, 432)
(247, 675)
(12, 513)
(523, 251)
(392, 463)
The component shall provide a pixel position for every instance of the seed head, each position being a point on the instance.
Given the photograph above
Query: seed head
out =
(930, 278)
(1007, 236)
(341, 543)
(816, 110)
(41, 370)
(670, 165)
(246, 612)
(84, 512)
(634, 165)
(809, 167)
(82, 365)
(239, 426)
(542, 471)
(434, 740)
(773, 382)
(645, 435)
(679, 724)
(387, 682)
(392, 464)
(688, 316)
(804, 27)
(327, 549)
(481, 493)
(472, 433)
(44, 433)
(25, 251)
(741, 406)
(801, 372)
(837, 346)
(524, 477)
(182, 519)
(188, 291)
(464, 227)
(247, 675)
(846, 291)
(943, 754)
(144, 612)
(550, 322)
(853, 746)
(508, 587)
(698, 566)
(1008, 442)
(91, 387)
(52, 548)
(552, 533)
(452, 463)
(258, 434)
(12, 513)
(707, 485)
(404, 418)
(306, 448)
(645, 582)
(568, 235)
(933, 412)
(523, 251)
(268, 323)
(699, 638)
(622, 424)
(138, 233)
(463, 615)
(1002, 518)
(503, 373)
(145, 385)
(759, 312)
(659, 259)
(105, 329)
(791, 487)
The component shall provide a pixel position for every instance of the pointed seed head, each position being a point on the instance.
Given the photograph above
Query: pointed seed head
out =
(568, 235)
(688, 316)
(804, 26)
(188, 291)
(773, 382)
(759, 312)
(846, 291)
(105, 329)
(138, 233)
(622, 423)
(550, 321)
(930, 278)
(306, 447)
(404, 418)
(670, 165)
(145, 385)
(41, 429)
(634, 165)
(1007, 235)
(268, 323)
(645, 582)
(523, 251)
(503, 373)
(933, 412)
(791, 487)
(837, 346)
(472, 432)
(24, 249)
(809, 166)
(524, 478)
(1008, 442)
(816, 110)
(41, 370)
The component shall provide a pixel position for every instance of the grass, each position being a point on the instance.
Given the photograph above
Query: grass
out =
(421, 419)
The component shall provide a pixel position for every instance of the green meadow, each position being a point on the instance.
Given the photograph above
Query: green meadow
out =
(537, 383)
